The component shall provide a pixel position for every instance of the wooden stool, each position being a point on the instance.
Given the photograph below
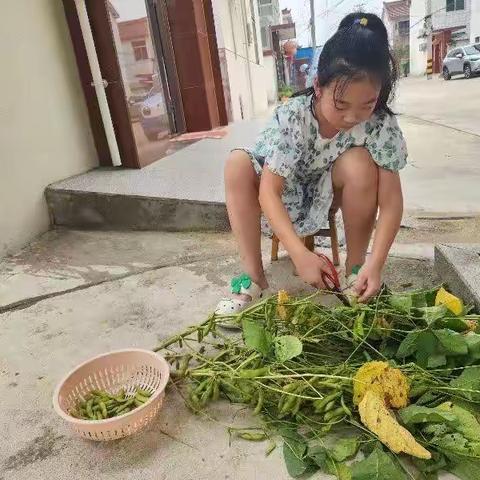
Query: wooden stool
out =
(309, 241)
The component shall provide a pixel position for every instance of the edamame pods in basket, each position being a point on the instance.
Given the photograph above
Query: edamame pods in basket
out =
(99, 404)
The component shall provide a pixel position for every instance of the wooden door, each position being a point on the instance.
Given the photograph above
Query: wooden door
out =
(140, 100)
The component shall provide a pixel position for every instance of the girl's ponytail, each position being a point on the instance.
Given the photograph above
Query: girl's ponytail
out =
(359, 49)
(368, 21)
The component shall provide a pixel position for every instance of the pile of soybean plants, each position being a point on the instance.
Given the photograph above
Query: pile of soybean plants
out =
(389, 389)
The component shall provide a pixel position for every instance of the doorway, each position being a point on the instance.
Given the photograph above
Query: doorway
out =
(160, 65)
(140, 56)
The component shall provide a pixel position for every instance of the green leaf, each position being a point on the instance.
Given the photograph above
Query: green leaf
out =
(401, 302)
(467, 423)
(427, 345)
(287, 347)
(344, 449)
(431, 295)
(319, 455)
(340, 470)
(378, 466)
(452, 322)
(469, 380)
(436, 360)
(465, 468)
(436, 429)
(432, 466)
(453, 342)
(409, 345)
(453, 442)
(473, 343)
(294, 455)
(417, 414)
(256, 337)
(419, 299)
(432, 314)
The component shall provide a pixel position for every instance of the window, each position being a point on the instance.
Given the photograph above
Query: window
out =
(404, 27)
(265, 40)
(264, 2)
(140, 50)
(477, 39)
(453, 5)
(470, 50)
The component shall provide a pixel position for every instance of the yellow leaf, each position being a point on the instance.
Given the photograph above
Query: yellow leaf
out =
(453, 303)
(380, 421)
(378, 377)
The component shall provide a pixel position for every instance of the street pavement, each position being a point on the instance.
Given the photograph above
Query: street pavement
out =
(454, 103)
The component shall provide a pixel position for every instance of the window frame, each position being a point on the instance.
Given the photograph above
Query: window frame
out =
(140, 51)
(453, 5)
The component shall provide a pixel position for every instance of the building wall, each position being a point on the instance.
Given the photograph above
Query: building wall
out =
(475, 21)
(388, 25)
(418, 56)
(442, 19)
(270, 14)
(44, 129)
(271, 78)
(133, 67)
(243, 58)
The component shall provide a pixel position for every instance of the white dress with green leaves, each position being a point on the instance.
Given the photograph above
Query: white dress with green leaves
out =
(291, 146)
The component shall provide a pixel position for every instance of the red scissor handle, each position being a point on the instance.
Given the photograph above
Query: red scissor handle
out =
(330, 279)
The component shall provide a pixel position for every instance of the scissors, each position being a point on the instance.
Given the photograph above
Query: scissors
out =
(331, 281)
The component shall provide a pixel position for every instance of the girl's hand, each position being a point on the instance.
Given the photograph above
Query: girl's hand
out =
(368, 282)
(310, 268)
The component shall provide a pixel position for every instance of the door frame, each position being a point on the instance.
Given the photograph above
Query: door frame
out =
(98, 13)
(162, 43)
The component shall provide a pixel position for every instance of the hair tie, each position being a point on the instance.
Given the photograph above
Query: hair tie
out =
(362, 21)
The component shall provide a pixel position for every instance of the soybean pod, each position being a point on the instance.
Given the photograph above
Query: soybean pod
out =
(334, 413)
(258, 407)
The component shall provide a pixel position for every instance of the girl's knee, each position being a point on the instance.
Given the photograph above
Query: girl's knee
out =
(239, 169)
(357, 168)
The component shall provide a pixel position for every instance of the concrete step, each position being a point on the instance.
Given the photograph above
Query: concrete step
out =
(106, 211)
(181, 192)
(458, 265)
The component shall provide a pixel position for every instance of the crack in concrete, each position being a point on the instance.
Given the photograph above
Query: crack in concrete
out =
(444, 125)
(29, 302)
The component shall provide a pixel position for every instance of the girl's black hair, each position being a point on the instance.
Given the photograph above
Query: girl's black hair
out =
(358, 49)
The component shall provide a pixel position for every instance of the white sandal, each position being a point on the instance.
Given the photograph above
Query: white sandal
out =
(240, 285)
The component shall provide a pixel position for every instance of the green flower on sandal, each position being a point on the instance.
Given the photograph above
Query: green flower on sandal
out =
(242, 281)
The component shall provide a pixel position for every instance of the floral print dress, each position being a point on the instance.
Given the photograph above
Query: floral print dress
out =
(291, 146)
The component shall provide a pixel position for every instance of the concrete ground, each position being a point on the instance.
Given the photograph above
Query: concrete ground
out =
(451, 103)
(75, 294)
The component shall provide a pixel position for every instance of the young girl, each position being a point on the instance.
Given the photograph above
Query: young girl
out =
(335, 145)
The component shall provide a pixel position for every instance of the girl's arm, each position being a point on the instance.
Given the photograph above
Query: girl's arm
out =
(309, 265)
(390, 203)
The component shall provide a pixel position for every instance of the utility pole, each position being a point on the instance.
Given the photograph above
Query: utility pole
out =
(429, 31)
(312, 23)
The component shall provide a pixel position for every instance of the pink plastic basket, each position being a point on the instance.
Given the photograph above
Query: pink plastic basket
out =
(111, 372)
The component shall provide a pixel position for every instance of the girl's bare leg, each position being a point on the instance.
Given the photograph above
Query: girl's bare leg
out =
(241, 189)
(355, 183)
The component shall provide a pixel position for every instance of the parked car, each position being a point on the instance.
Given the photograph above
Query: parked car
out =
(460, 60)
(154, 116)
(135, 105)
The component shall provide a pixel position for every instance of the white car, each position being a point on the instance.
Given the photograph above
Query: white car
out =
(462, 60)
(154, 116)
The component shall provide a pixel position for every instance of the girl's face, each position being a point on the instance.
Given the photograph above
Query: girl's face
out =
(348, 105)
